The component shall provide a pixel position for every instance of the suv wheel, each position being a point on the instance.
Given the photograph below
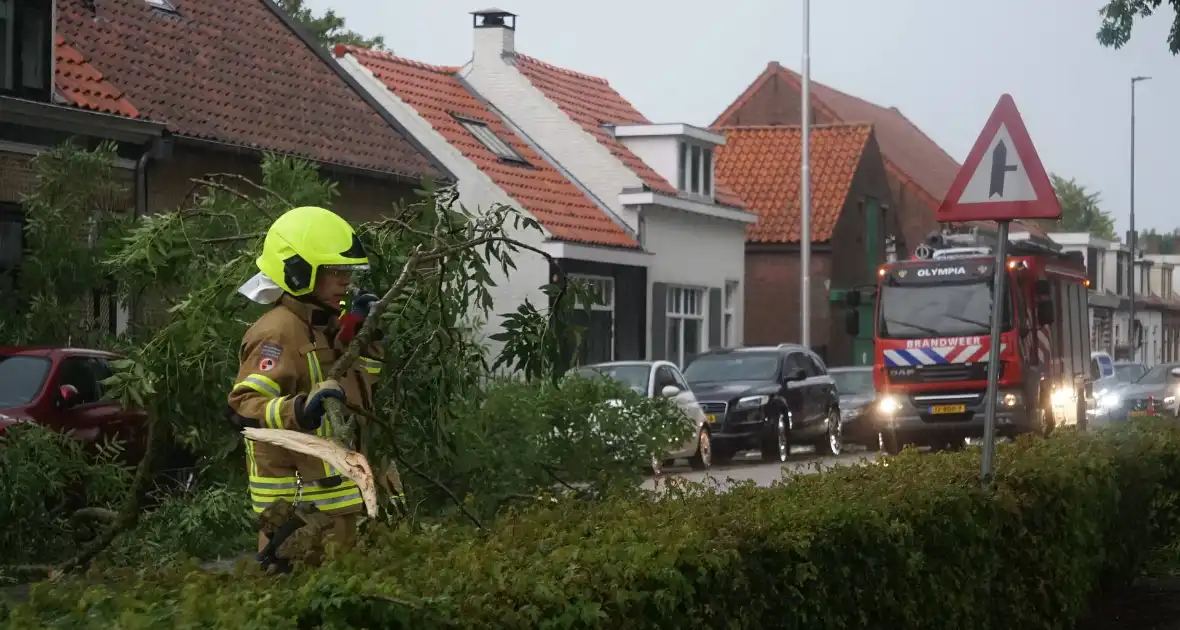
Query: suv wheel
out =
(832, 443)
(777, 446)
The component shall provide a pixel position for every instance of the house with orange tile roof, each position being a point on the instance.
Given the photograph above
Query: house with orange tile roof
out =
(850, 228)
(187, 89)
(920, 171)
(497, 164)
(659, 179)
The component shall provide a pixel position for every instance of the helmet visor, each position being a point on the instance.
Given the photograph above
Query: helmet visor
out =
(352, 267)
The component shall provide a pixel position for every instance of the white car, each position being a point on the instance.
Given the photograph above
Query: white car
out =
(662, 378)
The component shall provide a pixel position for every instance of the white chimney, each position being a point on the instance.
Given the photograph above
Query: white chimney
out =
(495, 33)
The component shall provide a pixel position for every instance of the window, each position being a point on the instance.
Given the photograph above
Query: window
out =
(12, 244)
(490, 140)
(598, 341)
(84, 374)
(695, 169)
(25, 47)
(686, 323)
(729, 316)
(664, 378)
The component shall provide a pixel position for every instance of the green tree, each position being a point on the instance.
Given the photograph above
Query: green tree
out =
(328, 29)
(1119, 15)
(1080, 210)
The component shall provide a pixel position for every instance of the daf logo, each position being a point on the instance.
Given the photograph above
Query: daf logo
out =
(942, 271)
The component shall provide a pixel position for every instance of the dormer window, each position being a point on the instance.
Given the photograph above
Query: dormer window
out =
(695, 169)
(26, 48)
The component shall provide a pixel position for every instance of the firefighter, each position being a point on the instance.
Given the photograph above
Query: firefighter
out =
(306, 267)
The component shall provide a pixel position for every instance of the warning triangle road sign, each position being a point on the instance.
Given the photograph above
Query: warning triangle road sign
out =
(1003, 178)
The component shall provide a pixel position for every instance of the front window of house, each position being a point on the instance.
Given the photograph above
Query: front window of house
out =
(598, 342)
(686, 323)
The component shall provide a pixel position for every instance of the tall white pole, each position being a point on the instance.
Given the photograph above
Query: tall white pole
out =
(805, 173)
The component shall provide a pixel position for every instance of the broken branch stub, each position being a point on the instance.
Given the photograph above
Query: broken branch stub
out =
(351, 464)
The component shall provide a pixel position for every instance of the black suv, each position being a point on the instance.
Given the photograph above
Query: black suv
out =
(766, 398)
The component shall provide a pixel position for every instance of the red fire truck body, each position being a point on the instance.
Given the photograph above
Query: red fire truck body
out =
(932, 342)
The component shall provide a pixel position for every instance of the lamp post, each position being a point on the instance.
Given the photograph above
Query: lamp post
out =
(1133, 325)
(805, 202)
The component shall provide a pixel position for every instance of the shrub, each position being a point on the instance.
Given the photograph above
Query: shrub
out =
(44, 477)
(910, 542)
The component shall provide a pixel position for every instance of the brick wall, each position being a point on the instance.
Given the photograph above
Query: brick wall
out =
(772, 296)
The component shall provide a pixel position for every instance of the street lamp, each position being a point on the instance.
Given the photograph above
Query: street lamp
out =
(1133, 324)
(805, 201)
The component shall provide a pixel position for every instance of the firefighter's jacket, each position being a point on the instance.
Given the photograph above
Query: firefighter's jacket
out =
(283, 354)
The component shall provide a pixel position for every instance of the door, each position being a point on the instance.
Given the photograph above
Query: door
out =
(799, 392)
(820, 387)
(90, 419)
(685, 400)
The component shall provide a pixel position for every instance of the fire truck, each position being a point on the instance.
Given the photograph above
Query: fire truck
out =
(932, 340)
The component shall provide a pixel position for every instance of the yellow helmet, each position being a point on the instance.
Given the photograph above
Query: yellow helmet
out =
(305, 240)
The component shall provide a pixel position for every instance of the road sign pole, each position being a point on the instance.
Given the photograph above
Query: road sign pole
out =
(993, 356)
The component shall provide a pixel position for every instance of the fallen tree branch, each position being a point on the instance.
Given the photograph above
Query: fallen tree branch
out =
(351, 464)
(373, 418)
(128, 514)
(95, 514)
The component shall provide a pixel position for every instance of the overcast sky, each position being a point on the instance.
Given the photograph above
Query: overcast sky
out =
(944, 63)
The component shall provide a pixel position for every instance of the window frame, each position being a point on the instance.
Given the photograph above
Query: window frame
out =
(483, 133)
(609, 289)
(12, 79)
(695, 169)
(678, 308)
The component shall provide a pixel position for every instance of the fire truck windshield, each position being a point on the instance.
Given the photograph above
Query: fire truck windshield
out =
(937, 310)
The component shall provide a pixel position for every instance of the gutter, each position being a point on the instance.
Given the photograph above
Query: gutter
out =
(158, 149)
(75, 120)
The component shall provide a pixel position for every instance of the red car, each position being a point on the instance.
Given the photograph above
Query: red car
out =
(62, 388)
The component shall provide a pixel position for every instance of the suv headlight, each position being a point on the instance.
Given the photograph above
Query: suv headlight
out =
(1109, 401)
(751, 402)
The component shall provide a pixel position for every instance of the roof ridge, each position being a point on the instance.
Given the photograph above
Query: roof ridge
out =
(572, 73)
(823, 126)
(341, 49)
(924, 134)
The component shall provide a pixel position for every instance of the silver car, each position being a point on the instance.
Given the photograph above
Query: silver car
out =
(1154, 394)
(663, 378)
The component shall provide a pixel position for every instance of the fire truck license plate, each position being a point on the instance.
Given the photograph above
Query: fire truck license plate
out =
(948, 408)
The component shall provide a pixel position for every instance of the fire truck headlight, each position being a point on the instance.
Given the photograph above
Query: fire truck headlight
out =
(1061, 396)
(888, 405)
(1009, 399)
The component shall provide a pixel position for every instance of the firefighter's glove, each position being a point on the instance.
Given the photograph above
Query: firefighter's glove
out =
(309, 409)
(354, 318)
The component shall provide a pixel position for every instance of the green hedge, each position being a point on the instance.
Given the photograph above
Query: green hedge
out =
(912, 542)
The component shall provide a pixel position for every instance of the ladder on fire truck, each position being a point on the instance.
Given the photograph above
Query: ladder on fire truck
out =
(975, 242)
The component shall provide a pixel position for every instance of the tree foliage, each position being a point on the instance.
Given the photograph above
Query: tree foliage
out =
(1118, 18)
(1081, 210)
(472, 440)
(329, 29)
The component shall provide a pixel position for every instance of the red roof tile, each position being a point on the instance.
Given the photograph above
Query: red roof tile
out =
(84, 86)
(913, 154)
(908, 152)
(436, 93)
(232, 71)
(763, 164)
(591, 102)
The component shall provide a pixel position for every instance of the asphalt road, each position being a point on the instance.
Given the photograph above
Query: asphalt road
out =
(749, 467)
